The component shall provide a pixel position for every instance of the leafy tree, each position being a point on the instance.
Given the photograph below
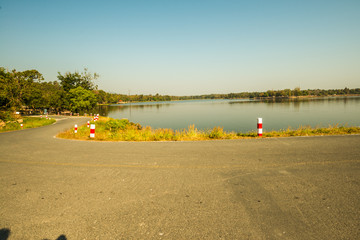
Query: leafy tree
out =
(35, 100)
(297, 91)
(73, 80)
(81, 99)
(101, 96)
(16, 87)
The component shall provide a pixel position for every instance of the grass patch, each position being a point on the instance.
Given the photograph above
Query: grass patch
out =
(28, 122)
(108, 129)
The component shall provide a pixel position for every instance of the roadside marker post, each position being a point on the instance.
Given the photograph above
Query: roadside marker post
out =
(259, 127)
(75, 130)
(88, 124)
(21, 125)
(92, 131)
(96, 117)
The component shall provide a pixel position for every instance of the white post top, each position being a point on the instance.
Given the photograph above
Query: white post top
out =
(259, 120)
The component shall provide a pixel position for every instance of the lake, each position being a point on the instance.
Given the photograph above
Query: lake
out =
(240, 115)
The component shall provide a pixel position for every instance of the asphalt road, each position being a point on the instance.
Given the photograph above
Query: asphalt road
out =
(279, 188)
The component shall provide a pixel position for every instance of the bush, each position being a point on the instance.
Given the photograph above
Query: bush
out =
(217, 133)
(6, 116)
(115, 125)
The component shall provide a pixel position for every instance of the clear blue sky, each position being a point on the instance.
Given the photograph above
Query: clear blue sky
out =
(186, 47)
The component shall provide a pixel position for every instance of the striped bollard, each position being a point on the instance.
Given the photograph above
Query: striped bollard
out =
(75, 129)
(259, 127)
(88, 124)
(47, 117)
(92, 130)
(21, 125)
(40, 116)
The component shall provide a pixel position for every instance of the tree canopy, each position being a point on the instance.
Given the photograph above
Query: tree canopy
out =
(16, 87)
(26, 89)
(85, 80)
(81, 99)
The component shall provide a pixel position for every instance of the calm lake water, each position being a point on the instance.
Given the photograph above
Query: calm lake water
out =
(240, 115)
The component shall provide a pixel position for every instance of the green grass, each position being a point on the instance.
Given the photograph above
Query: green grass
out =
(108, 129)
(28, 122)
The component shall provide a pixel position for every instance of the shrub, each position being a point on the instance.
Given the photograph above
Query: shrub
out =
(6, 116)
(115, 125)
(216, 133)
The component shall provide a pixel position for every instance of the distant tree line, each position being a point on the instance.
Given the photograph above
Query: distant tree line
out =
(77, 92)
(285, 93)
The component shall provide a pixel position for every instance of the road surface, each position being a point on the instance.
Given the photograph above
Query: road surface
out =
(278, 188)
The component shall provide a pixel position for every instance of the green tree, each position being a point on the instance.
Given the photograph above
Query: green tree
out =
(73, 80)
(81, 99)
(101, 96)
(297, 91)
(16, 87)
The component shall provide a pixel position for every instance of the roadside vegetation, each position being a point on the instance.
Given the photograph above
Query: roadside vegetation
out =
(108, 129)
(27, 122)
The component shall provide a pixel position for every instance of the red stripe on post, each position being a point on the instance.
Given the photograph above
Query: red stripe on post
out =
(259, 127)
(92, 130)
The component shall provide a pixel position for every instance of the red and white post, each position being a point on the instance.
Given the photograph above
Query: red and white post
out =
(259, 127)
(88, 124)
(92, 130)
(75, 129)
(21, 125)
(96, 117)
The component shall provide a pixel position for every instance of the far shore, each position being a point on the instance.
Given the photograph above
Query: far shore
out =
(255, 98)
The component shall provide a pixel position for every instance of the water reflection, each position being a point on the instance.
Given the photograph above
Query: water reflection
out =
(240, 115)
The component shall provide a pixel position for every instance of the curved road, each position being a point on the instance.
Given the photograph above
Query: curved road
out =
(279, 188)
